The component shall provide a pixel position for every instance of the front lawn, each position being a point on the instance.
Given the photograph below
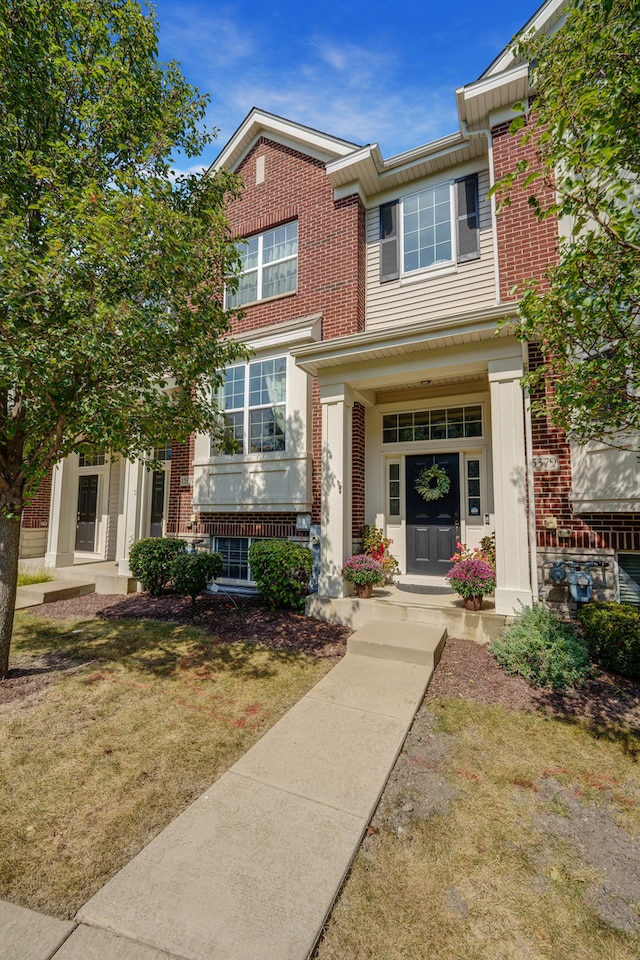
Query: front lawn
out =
(108, 729)
(503, 833)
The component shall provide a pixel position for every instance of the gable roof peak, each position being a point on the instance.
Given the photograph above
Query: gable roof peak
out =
(260, 123)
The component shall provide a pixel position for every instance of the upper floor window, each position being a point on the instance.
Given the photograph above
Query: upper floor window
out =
(437, 225)
(253, 398)
(269, 265)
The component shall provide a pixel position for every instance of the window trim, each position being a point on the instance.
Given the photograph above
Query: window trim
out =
(261, 267)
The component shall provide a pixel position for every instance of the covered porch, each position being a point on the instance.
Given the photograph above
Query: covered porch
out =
(395, 405)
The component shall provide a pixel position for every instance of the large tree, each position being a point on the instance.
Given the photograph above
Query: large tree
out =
(586, 124)
(111, 270)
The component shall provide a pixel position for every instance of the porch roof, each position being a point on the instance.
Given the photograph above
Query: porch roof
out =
(406, 338)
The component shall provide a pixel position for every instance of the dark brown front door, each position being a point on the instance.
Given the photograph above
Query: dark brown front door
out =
(157, 504)
(432, 525)
(87, 513)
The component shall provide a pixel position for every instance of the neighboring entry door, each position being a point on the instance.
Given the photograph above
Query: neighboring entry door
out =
(87, 513)
(157, 504)
(432, 525)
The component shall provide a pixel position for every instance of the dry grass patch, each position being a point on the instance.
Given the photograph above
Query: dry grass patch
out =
(534, 854)
(141, 718)
(27, 578)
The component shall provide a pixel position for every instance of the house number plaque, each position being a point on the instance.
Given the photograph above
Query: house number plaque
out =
(545, 462)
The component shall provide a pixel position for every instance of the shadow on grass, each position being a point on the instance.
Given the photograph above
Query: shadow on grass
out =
(155, 647)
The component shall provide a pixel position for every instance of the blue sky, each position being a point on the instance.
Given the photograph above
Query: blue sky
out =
(369, 72)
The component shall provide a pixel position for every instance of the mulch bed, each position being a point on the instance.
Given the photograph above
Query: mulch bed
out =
(466, 669)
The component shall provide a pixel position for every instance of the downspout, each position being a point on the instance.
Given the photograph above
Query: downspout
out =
(485, 132)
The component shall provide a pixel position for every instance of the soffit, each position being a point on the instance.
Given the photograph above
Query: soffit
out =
(368, 173)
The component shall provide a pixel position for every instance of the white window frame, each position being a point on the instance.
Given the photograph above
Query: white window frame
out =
(233, 299)
(453, 233)
(248, 408)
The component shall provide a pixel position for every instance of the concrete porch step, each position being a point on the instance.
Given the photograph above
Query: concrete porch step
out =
(403, 641)
(38, 593)
(399, 614)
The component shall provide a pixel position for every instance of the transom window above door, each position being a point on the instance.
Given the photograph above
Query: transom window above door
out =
(450, 423)
(269, 266)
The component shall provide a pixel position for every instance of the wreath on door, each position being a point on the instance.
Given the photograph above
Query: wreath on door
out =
(433, 483)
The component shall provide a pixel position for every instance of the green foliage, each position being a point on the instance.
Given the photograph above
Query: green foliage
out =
(585, 123)
(191, 572)
(151, 561)
(612, 633)
(542, 649)
(112, 270)
(282, 570)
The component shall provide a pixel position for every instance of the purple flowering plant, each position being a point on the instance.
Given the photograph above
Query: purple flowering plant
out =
(362, 569)
(472, 577)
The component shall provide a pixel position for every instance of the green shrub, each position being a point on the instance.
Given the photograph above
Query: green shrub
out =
(191, 572)
(150, 561)
(542, 649)
(282, 570)
(612, 634)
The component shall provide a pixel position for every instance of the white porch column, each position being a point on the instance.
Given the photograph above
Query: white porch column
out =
(509, 485)
(337, 409)
(63, 514)
(130, 517)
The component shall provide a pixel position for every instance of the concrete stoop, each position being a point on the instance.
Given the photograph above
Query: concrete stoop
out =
(458, 622)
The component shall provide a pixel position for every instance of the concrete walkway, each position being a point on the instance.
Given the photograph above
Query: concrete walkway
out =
(251, 869)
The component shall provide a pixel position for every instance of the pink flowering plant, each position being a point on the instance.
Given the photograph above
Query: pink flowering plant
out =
(472, 576)
(363, 568)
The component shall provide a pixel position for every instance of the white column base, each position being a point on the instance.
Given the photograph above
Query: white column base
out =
(510, 602)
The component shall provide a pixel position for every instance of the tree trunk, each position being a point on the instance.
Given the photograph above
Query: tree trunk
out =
(9, 544)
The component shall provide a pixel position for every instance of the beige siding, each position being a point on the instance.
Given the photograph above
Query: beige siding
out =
(431, 297)
(33, 543)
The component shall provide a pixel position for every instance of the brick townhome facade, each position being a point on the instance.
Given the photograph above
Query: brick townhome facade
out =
(378, 298)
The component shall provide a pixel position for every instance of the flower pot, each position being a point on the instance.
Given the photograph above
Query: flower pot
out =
(473, 603)
(364, 590)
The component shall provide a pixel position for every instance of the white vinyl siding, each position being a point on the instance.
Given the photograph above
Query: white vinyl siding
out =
(432, 294)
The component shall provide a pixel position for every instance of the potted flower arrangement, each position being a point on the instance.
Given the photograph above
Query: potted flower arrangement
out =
(364, 572)
(471, 576)
(376, 545)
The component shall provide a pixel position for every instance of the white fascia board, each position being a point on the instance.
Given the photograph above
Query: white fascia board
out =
(321, 146)
(549, 14)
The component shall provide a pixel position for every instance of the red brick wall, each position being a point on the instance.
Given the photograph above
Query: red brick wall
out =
(180, 498)
(331, 281)
(36, 513)
(526, 246)
(552, 492)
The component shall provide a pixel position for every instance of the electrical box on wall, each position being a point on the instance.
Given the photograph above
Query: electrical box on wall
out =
(551, 523)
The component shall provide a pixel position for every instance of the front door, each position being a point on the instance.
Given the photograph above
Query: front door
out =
(157, 504)
(87, 514)
(432, 525)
